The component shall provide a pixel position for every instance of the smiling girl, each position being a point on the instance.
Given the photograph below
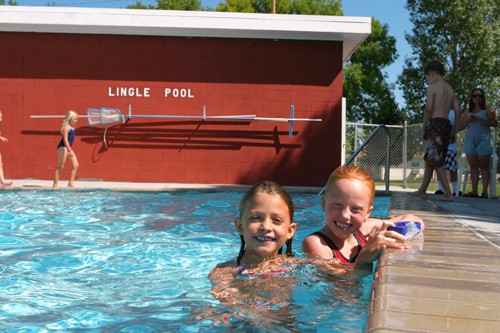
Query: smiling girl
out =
(349, 235)
(265, 225)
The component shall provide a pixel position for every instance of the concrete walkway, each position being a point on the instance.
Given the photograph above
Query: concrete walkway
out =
(449, 281)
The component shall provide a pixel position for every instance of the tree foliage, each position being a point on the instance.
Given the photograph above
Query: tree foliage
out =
(304, 7)
(169, 5)
(238, 6)
(10, 3)
(369, 96)
(139, 5)
(462, 34)
(317, 7)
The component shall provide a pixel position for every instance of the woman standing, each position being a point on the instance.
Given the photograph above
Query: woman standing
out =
(477, 142)
(64, 148)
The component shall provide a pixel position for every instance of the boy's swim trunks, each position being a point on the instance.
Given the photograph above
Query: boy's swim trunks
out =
(438, 131)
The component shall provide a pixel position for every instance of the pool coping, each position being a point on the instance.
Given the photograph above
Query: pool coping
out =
(449, 281)
(94, 185)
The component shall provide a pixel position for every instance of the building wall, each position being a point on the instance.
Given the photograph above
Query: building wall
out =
(49, 74)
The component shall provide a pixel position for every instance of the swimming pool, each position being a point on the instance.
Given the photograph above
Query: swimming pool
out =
(102, 261)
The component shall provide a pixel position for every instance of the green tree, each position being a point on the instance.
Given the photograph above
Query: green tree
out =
(462, 34)
(140, 5)
(304, 7)
(237, 6)
(10, 3)
(369, 97)
(169, 5)
(317, 7)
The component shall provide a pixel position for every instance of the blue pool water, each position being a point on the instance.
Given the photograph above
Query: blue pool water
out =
(138, 262)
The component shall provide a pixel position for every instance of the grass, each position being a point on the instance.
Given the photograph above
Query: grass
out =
(433, 186)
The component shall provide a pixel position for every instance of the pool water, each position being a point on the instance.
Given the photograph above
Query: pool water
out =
(102, 261)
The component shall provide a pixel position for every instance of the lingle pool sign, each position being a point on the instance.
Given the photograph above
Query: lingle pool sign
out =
(146, 92)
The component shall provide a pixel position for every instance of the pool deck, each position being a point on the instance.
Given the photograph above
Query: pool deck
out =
(449, 281)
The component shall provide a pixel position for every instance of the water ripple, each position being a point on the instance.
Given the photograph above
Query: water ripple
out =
(138, 262)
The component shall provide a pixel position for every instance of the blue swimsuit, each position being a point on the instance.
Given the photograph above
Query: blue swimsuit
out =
(71, 138)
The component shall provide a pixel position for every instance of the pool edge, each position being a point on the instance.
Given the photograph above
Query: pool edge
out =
(449, 281)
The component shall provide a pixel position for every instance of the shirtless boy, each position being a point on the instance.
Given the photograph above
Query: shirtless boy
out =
(437, 128)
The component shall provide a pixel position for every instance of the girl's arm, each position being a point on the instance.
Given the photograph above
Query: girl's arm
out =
(312, 247)
(378, 240)
(492, 117)
(372, 222)
(456, 126)
(222, 289)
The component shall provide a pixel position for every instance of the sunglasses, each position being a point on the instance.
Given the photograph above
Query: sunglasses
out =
(477, 95)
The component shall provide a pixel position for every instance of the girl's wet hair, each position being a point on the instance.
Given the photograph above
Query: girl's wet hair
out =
(272, 188)
(351, 172)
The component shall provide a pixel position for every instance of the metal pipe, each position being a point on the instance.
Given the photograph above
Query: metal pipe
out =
(388, 156)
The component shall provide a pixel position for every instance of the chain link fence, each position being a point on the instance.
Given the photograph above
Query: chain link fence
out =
(407, 152)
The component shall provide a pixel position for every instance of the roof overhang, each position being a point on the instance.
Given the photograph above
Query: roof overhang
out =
(352, 31)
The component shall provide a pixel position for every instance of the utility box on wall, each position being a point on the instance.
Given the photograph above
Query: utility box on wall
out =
(213, 97)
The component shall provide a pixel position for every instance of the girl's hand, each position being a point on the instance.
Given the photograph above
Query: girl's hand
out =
(378, 240)
(3, 139)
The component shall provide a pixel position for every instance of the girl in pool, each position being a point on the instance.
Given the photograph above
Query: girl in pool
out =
(265, 225)
(349, 235)
(64, 148)
(261, 274)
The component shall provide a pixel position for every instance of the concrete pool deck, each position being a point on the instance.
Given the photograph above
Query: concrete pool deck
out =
(449, 281)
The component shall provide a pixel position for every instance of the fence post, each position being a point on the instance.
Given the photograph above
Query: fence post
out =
(405, 152)
(355, 142)
(388, 162)
(344, 130)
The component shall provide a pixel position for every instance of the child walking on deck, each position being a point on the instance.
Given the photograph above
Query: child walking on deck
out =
(64, 150)
(437, 128)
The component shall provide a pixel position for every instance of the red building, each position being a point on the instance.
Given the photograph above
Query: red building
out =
(185, 65)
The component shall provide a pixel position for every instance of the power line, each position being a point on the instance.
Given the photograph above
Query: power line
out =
(58, 4)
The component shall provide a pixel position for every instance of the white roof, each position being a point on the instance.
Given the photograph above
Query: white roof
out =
(351, 30)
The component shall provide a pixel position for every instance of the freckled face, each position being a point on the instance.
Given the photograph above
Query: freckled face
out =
(346, 207)
(265, 225)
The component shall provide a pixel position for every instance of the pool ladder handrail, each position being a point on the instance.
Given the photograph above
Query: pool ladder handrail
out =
(388, 157)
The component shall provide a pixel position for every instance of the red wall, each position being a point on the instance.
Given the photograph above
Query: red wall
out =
(48, 74)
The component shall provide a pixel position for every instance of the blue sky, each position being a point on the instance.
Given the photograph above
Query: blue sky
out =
(394, 14)
(390, 12)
